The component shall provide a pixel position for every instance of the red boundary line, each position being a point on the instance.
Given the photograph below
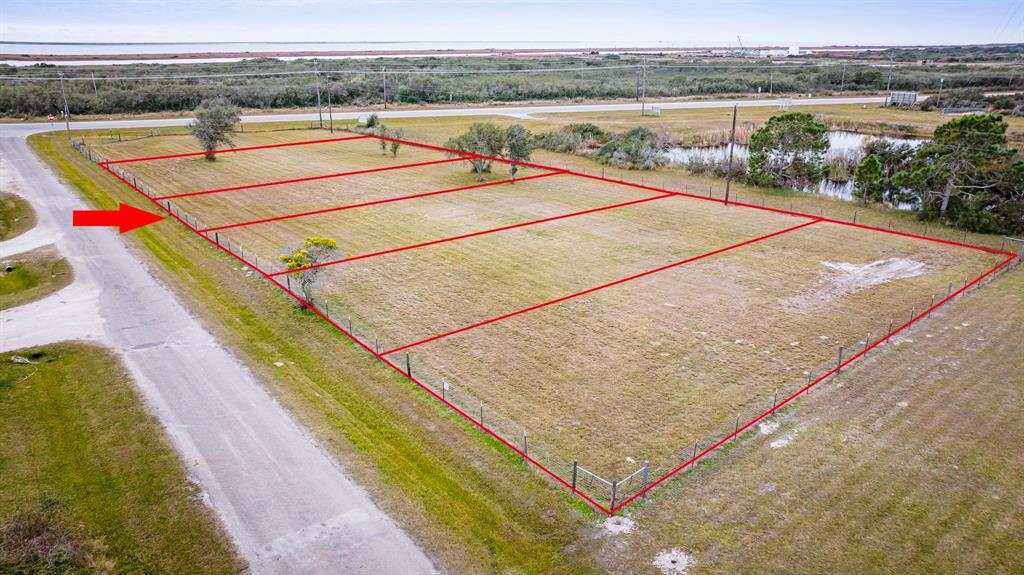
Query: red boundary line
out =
(600, 287)
(467, 156)
(229, 150)
(308, 179)
(376, 202)
(804, 389)
(474, 234)
(606, 510)
(383, 359)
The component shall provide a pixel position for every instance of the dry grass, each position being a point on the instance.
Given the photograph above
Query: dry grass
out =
(648, 367)
(688, 125)
(195, 173)
(643, 368)
(861, 490)
(909, 463)
(275, 201)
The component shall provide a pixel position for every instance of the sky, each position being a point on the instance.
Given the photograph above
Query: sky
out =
(601, 23)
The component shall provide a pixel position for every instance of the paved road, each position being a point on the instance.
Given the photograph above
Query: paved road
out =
(286, 503)
(516, 111)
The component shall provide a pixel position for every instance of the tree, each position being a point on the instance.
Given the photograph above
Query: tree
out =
(214, 122)
(480, 139)
(395, 144)
(788, 150)
(869, 181)
(893, 157)
(312, 252)
(638, 148)
(966, 157)
(517, 146)
(382, 131)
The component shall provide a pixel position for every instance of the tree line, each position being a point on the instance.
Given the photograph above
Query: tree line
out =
(456, 80)
(966, 176)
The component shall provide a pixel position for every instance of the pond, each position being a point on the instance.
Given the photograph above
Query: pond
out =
(842, 145)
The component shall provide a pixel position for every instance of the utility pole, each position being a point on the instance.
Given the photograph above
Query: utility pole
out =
(330, 109)
(638, 83)
(941, 82)
(643, 92)
(95, 91)
(319, 109)
(842, 82)
(67, 112)
(771, 82)
(384, 73)
(888, 83)
(732, 146)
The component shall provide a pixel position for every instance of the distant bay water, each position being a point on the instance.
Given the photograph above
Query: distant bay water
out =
(200, 52)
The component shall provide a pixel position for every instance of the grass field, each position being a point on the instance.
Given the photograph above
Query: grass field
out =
(910, 464)
(35, 274)
(16, 216)
(75, 437)
(614, 377)
(478, 511)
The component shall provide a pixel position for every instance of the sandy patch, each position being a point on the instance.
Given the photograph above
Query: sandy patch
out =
(619, 525)
(785, 439)
(674, 562)
(843, 279)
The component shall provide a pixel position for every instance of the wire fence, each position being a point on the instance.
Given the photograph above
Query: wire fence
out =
(608, 494)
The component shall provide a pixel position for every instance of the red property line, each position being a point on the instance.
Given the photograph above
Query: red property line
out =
(512, 447)
(468, 155)
(377, 202)
(804, 389)
(229, 150)
(600, 287)
(309, 179)
(474, 234)
(384, 360)
(792, 213)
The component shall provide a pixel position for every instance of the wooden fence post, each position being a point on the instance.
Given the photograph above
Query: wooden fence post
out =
(408, 365)
(574, 464)
(615, 484)
(839, 360)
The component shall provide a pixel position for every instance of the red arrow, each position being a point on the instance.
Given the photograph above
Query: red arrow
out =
(126, 218)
